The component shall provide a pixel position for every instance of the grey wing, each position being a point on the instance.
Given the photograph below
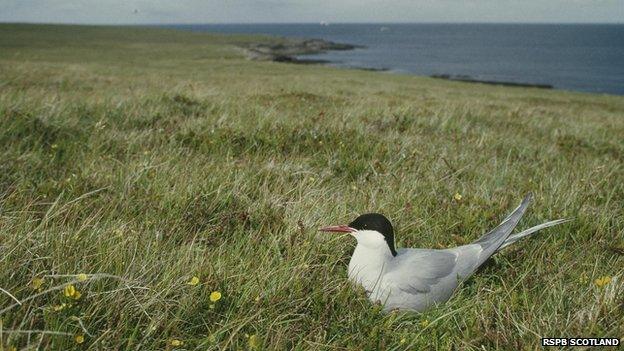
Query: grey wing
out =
(418, 270)
(472, 256)
(494, 239)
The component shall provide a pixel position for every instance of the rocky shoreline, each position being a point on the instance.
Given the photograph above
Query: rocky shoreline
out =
(469, 79)
(287, 50)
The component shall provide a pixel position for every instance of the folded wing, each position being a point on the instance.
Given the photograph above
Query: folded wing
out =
(418, 270)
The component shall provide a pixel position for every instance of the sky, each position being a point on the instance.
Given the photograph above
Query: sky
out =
(296, 11)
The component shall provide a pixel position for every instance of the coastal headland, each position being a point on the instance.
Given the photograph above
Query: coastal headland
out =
(288, 50)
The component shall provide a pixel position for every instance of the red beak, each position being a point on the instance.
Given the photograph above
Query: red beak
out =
(338, 229)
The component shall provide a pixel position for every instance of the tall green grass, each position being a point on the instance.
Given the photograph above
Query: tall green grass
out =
(145, 157)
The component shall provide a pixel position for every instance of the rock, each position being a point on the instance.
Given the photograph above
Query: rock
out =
(469, 79)
(286, 50)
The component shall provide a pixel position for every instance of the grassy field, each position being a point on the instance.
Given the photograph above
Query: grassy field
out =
(133, 160)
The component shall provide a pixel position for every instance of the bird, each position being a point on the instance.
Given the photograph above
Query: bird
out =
(418, 279)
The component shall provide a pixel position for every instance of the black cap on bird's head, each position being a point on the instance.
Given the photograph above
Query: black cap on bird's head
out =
(369, 221)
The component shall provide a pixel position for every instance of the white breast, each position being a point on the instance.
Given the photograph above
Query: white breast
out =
(414, 280)
(367, 267)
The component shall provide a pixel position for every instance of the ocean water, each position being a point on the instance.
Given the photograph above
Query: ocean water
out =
(578, 57)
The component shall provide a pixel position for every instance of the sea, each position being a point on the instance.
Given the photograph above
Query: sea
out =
(576, 57)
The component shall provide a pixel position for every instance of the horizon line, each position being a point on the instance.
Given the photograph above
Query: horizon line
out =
(304, 23)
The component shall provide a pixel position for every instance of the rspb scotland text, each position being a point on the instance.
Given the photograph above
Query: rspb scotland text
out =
(582, 342)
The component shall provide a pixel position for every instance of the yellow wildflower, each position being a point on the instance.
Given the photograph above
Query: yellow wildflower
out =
(79, 338)
(36, 283)
(457, 197)
(253, 342)
(602, 281)
(69, 290)
(424, 323)
(215, 296)
(82, 277)
(194, 281)
(212, 338)
(176, 342)
(54, 146)
(403, 341)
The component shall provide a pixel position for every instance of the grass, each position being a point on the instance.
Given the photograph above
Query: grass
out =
(144, 157)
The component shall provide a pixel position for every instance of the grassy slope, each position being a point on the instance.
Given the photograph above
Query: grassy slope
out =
(155, 156)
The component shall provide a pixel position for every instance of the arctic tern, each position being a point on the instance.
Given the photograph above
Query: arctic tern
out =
(417, 279)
